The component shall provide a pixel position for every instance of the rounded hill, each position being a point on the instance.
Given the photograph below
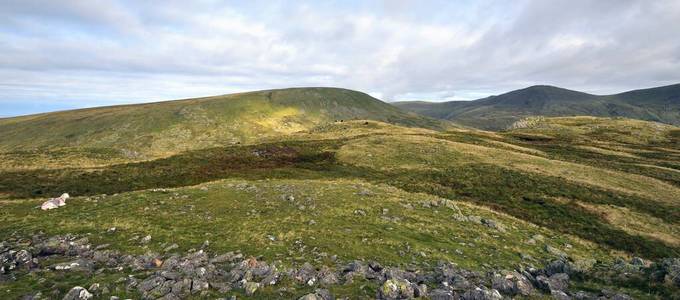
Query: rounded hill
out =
(168, 127)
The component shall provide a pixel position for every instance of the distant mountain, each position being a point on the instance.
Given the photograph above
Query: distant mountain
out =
(661, 104)
(173, 126)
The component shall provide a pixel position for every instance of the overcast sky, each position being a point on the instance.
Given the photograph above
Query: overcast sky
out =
(66, 54)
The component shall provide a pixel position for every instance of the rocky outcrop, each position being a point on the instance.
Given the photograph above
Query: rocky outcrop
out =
(195, 272)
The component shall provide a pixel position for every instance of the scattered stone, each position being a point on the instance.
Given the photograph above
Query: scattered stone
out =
(637, 261)
(460, 218)
(319, 294)
(396, 288)
(556, 282)
(558, 266)
(79, 265)
(556, 252)
(146, 239)
(621, 297)
(493, 224)
(420, 291)
(482, 294)
(170, 248)
(78, 293)
(364, 192)
(581, 295)
(442, 294)
(581, 265)
(670, 271)
(512, 283)
(251, 288)
(559, 295)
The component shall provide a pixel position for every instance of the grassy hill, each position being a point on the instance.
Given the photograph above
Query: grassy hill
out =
(660, 104)
(299, 190)
(163, 128)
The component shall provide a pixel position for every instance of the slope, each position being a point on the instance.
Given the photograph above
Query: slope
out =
(661, 104)
(370, 191)
(163, 128)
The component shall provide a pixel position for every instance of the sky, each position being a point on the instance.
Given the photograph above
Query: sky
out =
(57, 54)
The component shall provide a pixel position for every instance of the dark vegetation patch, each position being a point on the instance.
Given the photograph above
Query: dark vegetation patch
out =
(649, 154)
(566, 152)
(533, 198)
(189, 168)
(531, 137)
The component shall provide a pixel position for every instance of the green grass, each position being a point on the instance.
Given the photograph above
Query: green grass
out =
(533, 198)
(398, 229)
(526, 195)
(240, 215)
(160, 129)
(533, 180)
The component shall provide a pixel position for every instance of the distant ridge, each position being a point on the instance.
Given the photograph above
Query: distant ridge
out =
(660, 104)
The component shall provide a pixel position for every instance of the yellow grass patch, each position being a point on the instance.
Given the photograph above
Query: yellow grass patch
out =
(606, 151)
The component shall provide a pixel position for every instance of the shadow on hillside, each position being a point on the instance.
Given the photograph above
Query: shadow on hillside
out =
(529, 197)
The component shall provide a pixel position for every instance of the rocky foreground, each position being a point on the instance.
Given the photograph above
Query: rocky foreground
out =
(199, 273)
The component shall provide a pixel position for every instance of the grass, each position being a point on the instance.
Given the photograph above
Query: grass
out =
(247, 213)
(532, 181)
(256, 217)
(161, 129)
(637, 223)
(413, 152)
(417, 163)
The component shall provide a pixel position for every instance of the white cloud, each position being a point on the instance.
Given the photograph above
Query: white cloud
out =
(99, 52)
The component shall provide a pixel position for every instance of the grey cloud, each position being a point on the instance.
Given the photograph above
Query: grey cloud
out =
(132, 51)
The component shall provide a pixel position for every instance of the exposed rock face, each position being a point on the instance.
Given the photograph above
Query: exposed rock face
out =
(193, 273)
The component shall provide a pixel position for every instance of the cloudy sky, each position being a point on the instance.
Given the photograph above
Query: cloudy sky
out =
(66, 54)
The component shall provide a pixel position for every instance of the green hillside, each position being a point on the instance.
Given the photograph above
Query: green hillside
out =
(306, 204)
(660, 104)
(159, 129)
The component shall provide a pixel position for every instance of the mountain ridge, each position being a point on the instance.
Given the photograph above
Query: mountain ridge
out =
(659, 104)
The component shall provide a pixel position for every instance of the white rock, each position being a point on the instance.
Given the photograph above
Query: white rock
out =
(78, 293)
